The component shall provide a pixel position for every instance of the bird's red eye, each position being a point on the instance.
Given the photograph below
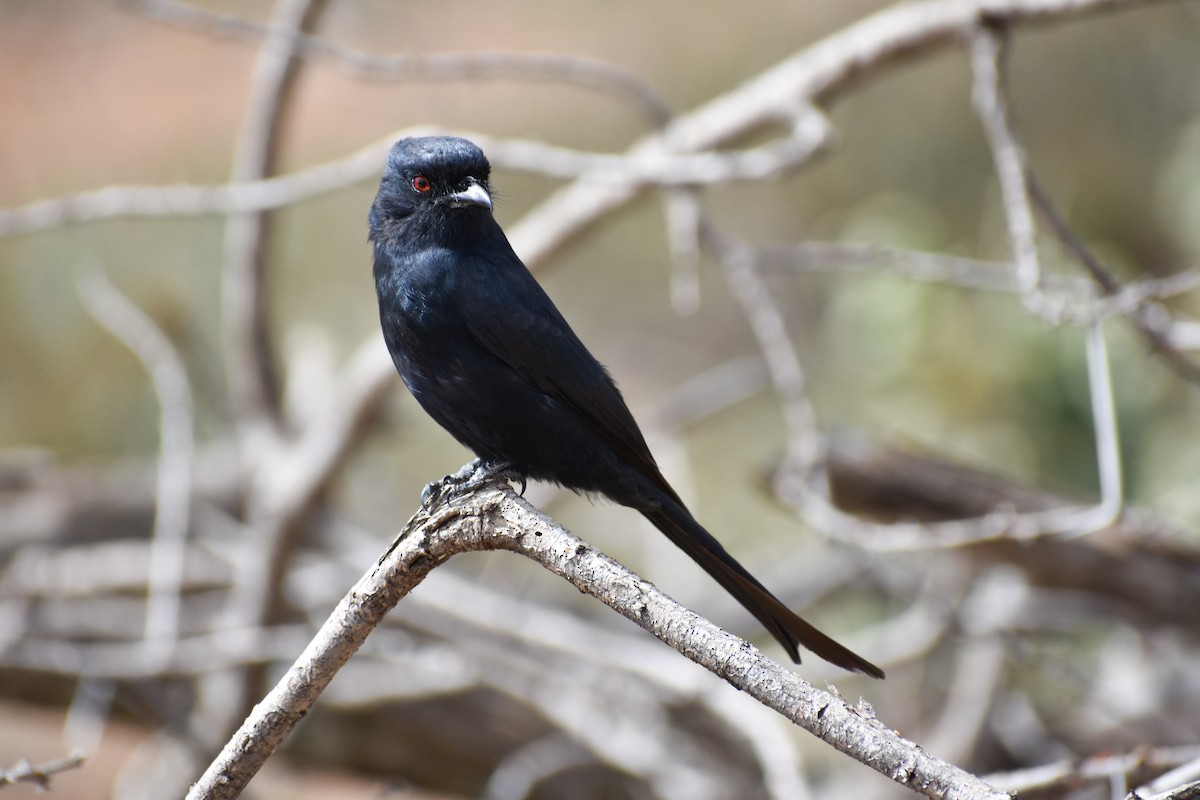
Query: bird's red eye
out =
(421, 184)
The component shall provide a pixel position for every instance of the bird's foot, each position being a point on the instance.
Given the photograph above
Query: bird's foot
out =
(432, 493)
(474, 474)
(485, 471)
(435, 491)
(499, 471)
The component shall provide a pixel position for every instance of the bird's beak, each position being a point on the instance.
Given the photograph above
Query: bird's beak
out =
(473, 195)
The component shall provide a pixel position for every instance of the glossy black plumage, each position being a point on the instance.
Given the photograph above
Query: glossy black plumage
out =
(489, 357)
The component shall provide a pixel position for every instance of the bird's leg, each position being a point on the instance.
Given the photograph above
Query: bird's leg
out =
(501, 470)
(473, 474)
(434, 490)
(431, 493)
(496, 470)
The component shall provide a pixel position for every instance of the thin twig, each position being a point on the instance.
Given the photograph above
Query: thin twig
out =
(987, 612)
(745, 282)
(1063, 775)
(1189, 791)
(521, 155)
(986, 46)
(681, 214)
(172, 508)
(39, 774)
(1104, 423)
(960, 272)
(248, 353)
(192, 656)
(519, 772)
(574, 70)
(1151, 320)
(1180, 783)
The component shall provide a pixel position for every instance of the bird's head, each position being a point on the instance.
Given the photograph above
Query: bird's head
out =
(431, 177)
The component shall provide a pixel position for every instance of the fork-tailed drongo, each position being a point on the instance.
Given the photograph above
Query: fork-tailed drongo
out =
(487, 355)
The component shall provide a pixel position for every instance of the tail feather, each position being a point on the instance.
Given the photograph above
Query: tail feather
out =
(681, 528)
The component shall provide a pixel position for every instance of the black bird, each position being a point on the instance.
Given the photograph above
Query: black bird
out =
(486, 353)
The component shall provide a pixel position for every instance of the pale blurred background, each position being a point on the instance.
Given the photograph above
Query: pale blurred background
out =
(94, 94)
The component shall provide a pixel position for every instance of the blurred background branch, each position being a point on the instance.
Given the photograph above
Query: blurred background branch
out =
(878, 352)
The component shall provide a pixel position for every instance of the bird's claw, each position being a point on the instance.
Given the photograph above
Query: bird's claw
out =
(498, 470)
(502, 470)
(432, 493)
(470, 476)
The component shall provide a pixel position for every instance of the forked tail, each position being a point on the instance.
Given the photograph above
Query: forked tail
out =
(681, 528)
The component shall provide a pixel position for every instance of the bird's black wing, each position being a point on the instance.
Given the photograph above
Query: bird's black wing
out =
(517, 322)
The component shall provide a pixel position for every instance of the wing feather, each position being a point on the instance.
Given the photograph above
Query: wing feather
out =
(519, 324)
